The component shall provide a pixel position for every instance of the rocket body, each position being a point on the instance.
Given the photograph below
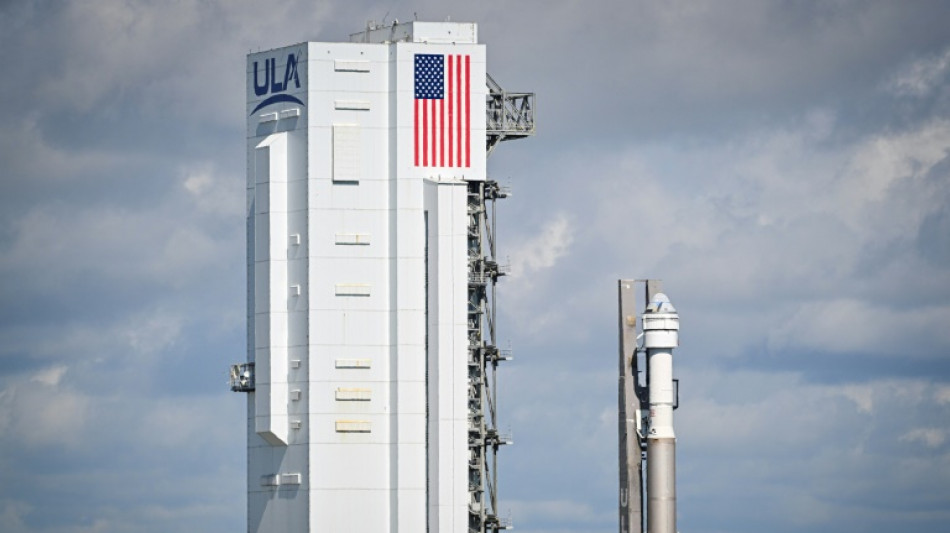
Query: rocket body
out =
(661, 336)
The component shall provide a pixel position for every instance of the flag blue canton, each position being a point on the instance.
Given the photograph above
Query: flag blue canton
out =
(430, 76)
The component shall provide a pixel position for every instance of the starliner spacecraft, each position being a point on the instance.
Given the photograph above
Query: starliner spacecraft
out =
(646, 410)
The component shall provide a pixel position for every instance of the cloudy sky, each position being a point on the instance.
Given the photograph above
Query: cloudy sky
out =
(784, 167)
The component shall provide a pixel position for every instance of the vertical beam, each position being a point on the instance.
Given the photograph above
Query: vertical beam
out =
(476, 359)
(271, 322)
(653, 286)
(484, 356)
(630, 504)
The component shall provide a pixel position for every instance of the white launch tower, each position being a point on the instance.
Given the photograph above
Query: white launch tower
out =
(371, 272)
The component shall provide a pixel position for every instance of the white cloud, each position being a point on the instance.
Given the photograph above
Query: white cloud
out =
(143, 334)
(213, 192)
(50, 376)
(7, 397)
(553, 510)
(33, 156)
(152, 333)
(47, 415)
(930, 437)
(12, 513)
(534, 260)
(774, 439)
(865, 196)
(942, 394)
(802, 229)
(61, 245)
(861, 395)
(176, 63)
(542, 251)
(849, 326)
(921, 76)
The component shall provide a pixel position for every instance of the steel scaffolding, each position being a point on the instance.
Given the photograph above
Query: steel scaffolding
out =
(510, 116)
(484, 439)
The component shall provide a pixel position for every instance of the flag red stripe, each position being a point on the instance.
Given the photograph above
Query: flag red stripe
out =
(458, 106)
(449, 99)
(415, 133)
(442, 132)
(431, 129)
(425, 134)
(468, 114)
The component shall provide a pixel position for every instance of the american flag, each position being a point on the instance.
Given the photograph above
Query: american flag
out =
(442, 131)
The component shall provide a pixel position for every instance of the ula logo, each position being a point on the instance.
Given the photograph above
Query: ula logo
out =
(273, 85)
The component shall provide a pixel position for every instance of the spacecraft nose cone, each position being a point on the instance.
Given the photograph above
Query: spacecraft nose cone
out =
(661, 304)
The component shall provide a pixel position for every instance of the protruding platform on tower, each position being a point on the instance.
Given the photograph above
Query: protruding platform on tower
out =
(510, 115)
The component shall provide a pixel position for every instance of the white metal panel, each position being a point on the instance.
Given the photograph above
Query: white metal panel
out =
(348, 70)
(345, 195)
(373, 220)
(411, 327)
(324, 363)
(298, 362)
(353, 289)
(412, 509)
(351, 65)
(353, 425)
(290, 479)
(356, 239)
(351, 105)
(326, 327)
(319, 162)
(298, 323)
(297, 273)
(412, 427)
(372, 194)
(354, 363)
(354, 394)
(444, 32)
(350, 466)
(340, 270)
(366, 327)
(323, 224)
(297, 206)
(351, 510)
(354, 399)
(409, 194)
(420, 32)
(410, 363)
(412, 398)
(323, 427)
(347, 152)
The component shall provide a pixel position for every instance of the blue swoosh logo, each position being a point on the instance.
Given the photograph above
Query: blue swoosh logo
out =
(277, 98)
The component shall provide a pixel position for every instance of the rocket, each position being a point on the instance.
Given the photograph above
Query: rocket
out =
(660, 337)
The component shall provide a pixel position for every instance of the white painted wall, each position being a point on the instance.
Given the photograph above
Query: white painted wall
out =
(338, 435)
